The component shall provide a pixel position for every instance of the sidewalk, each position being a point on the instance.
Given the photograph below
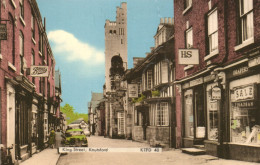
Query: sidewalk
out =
(45, 157)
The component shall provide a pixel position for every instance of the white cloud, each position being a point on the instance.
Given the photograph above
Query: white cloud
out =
(72, 49)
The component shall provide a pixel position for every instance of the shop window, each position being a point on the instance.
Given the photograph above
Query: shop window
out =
(246, 20)
(23, 122)
(244, 115)
(212, 114)
(199, 112)
(188, 112)
(213, 31)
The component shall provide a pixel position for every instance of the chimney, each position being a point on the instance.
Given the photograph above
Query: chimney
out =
(170, 20)
(151, 48)
(161, 21)
(165, 20)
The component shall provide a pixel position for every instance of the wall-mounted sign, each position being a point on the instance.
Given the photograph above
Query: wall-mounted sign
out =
(195, 82)
(3, 32)
(244, 93)
(240, 71)
(213, 105)
(254, 61)
(216, 93)
(39, 71)
(188, 56)
(245, 104)
(132, 90)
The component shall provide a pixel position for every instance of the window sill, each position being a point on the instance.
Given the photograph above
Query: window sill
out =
(40, 53)
(1, 57)
(34, 42)
(13, 3)
(10, 65)
(212, 54)
(244, 44)
(21, 19)
(188, 67)
(186, 10)
(44, 61)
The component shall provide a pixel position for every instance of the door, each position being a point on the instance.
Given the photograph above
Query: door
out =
(199, 112)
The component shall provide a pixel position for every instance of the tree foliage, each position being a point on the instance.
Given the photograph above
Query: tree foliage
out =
(71, 115)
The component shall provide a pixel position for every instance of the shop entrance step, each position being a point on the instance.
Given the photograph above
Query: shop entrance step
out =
(193, 151)
(199, 146)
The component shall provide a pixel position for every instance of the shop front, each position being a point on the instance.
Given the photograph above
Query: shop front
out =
(243, 133)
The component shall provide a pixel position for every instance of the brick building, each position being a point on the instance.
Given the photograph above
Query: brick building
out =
(26, 102)
(218, 93)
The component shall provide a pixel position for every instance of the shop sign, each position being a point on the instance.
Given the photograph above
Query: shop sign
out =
(213, 105)
(39, 71)
(240, 71)
(3, 32)
(245, 104)
(209, 78)
(189, 56)
(254, 62)
(216, 93)
(196, 82)
(132, 90)
(247, 92)
(186, 85)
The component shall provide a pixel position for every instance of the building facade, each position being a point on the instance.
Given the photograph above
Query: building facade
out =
(151, 91)
(217, 97)
(25, 101)
(115, 66)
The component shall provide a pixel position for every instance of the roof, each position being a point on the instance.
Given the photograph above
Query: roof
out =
(78, 121)
(96, 96)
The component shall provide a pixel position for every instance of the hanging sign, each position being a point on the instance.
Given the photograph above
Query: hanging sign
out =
(3, 32)
(132, 90)
(189, 56)
(216, 93)
(39, 71)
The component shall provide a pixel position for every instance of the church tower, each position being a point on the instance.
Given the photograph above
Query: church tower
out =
(116, 47)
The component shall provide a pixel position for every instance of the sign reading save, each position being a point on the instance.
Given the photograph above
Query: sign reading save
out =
(189, 56)
(39, 71)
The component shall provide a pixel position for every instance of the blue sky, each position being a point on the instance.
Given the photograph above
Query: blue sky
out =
(75, 30)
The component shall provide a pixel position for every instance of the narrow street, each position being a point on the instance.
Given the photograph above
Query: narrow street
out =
(170, 157)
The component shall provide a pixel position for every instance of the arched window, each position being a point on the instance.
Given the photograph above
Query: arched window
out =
(33, 63)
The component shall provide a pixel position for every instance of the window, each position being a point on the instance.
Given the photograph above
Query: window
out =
(33, 63)
(121, 123)
(40, 41)
(213, 31)
(189, 38)
(246, 19)
(33, 26)
(23, 121)
(162, 118)
(21, 47)
(149, 79)
(22, 8)
(11, 36)
(152, 114)
(164, 71)
(187, 4)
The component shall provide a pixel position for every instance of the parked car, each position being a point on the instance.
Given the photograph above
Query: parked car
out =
(76, 138)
